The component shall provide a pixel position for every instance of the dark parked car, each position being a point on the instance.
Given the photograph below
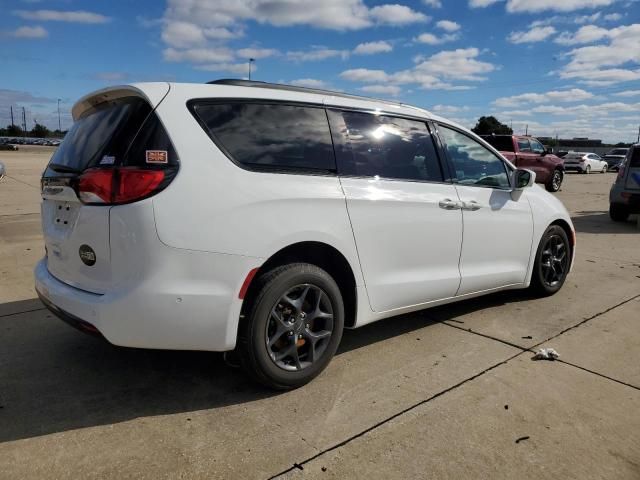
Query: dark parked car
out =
(528, 152)
(624, 197)
(615, 157)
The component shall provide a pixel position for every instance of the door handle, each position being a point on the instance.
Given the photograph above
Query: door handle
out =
(471, 206)
(449, 204)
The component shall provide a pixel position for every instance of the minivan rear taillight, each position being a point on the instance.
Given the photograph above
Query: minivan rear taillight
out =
(112, 186)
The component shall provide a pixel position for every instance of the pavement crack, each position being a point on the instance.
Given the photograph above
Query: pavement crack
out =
(597, 373)
(19, 313)
(300, 465)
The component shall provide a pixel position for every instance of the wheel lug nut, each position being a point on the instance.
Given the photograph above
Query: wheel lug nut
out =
(307, 325)
(290, 334)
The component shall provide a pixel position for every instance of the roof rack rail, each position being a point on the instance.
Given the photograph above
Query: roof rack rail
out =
(294, 88)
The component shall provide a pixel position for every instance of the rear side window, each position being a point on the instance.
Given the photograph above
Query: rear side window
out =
(499, 142)
(270, 136)
(389, 147)
(635, 158)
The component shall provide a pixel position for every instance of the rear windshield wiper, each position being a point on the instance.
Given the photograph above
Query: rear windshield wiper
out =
(58, 167)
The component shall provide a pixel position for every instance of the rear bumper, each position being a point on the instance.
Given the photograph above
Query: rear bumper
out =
(621, 196)
(574, 168)
(190, 302)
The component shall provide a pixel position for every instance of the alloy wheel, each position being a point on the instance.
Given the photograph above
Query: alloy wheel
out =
(299, 328)
(556, 180)
(554, 260)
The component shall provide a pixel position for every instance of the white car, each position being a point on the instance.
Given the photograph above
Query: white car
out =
(585, 162)
(263, 219)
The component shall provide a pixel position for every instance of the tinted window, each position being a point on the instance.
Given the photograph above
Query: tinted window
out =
(635, 158)
(500, 142)
(536, 146)
(523, 145)
(389, 147)
(104, 131)
(271, 136)
(473, 163)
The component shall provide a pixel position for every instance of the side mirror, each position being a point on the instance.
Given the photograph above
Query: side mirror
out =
(523, 179)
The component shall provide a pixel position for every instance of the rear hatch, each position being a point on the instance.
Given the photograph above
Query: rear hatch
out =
(633, 174)
(116, 152)
(573, 158)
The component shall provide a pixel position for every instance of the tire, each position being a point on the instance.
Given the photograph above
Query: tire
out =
(549, 258)
(278, 338)
(604, 169)
(556, 181)
(588, 170)
(618, 213)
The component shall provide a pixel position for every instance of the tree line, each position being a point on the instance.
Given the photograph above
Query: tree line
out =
(38, 131)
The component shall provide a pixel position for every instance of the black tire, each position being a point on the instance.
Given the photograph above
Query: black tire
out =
(618, 213)
(258, 358)
(588, 170)
(556, 181)
(541, 283)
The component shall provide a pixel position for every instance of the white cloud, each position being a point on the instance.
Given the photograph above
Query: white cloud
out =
(433, 3)
(609, 63)
(613, 17)
(370, 48)
(397, 15)
(237, 68)
(309, 83)
(256, 53)
(391, 90)
(316, 54)
(627, 93)
(531, 6)
(535, 34)
(517, 6)
(481, 3)
(434, 72)
(365, 75)
(448, 108)
(28, 32)
(431, 39)
(183, 34)
(587, 18)
(198, 55)
(586, 34)
(597, 111)
(567, 96)
(77, 16)
(448, 25)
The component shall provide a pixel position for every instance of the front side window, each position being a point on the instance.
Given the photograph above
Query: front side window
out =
(523, 145)
(536, 146)
(270, 136)
(474, 164)
(384, 146)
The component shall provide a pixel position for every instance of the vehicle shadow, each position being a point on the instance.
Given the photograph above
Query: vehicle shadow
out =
(593, 221)
(54, 378)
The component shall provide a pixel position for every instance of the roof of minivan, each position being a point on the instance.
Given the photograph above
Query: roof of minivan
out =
(155, 91)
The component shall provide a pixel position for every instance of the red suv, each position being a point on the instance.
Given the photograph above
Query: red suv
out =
(528, 152)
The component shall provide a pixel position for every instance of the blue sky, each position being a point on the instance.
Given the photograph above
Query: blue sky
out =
(566, 67)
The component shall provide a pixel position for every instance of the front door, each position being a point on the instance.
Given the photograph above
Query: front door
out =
(405, 217)
(498, 229)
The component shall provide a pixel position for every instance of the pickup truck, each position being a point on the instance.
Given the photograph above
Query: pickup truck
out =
(528, 152)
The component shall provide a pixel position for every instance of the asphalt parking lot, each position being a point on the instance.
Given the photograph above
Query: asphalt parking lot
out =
(450, 392)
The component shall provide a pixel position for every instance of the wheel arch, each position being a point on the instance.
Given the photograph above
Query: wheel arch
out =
(571, 235)
(322, 255)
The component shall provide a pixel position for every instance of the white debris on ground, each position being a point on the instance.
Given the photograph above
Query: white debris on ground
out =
(546, 354)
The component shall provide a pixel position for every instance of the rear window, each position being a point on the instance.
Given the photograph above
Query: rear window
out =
(500, 143)
(618, 151)
(270, 136)
(104, 136)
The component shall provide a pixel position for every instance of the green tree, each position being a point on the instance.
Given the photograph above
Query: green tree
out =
(40, 131)
(489, 125)
(13, 131)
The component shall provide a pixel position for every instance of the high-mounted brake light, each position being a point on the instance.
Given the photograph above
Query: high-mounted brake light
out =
(110, 186)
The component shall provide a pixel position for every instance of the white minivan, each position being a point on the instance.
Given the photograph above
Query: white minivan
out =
(264, 219)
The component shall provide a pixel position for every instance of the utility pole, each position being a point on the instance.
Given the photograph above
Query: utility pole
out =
(12, 124)
(24, 123)
(59, 129)
(526, 130)
(638, 135)
(251, 60)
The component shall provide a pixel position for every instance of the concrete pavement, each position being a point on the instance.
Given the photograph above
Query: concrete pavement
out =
(416, 396)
